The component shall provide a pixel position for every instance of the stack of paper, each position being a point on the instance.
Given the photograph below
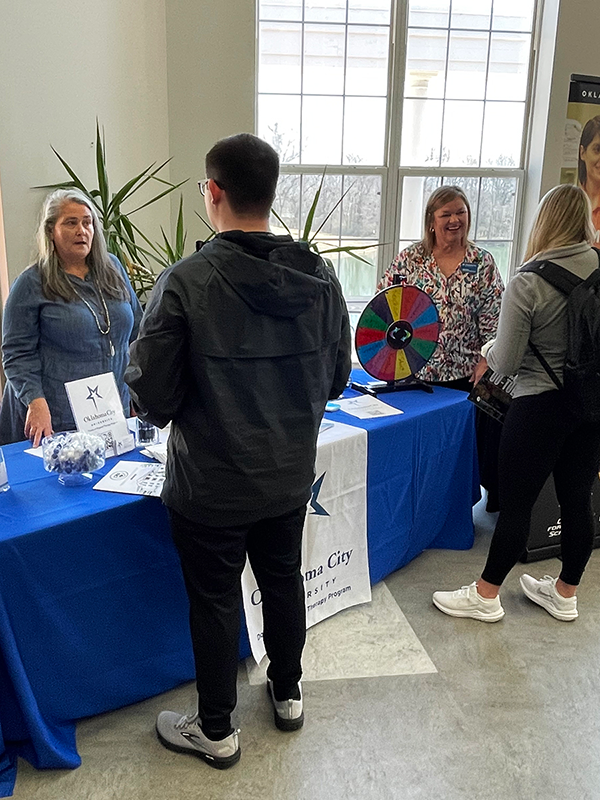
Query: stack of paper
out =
(134, 477)
(367, 407)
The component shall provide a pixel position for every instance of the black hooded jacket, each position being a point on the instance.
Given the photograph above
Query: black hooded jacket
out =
(241, 346)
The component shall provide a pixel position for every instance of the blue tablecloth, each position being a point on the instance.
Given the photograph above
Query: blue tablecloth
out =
(93, 611)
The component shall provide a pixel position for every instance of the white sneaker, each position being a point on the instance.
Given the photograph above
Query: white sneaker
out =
(288, 714)
(467, 602)
(184, 735)
(543, 592)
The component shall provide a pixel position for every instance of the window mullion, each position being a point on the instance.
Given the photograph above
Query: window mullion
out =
(391, 200)
(518, 233)
(445, 84)
(485, 93)
(515, 256)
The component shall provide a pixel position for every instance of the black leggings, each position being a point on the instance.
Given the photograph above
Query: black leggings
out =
(540, 436)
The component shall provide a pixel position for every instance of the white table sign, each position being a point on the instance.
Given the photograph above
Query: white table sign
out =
(97, 408)
(334, 549)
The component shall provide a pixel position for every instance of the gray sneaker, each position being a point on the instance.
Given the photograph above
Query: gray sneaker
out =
(543, 592)
(288, 714)
(467, 602)
(184, 735)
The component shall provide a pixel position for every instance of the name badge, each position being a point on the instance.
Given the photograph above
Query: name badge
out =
(469, 267)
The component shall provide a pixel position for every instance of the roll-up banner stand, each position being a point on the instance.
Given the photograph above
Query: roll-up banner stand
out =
(581, 144)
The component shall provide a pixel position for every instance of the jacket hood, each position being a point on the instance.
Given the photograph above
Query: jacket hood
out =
(274, 275)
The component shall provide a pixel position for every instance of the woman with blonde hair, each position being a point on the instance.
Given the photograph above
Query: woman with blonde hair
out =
(71, 315)
(464, 283)
(462, 280)
(541, 433)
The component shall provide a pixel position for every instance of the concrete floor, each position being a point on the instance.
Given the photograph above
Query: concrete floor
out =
(512, 712)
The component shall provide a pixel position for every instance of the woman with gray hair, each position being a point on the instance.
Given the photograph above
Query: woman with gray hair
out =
(69, 316)
(542, 433)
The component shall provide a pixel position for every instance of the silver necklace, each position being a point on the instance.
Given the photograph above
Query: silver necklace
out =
(106, 316)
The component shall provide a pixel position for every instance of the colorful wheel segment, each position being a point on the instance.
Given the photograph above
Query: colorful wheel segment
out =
(397, 333)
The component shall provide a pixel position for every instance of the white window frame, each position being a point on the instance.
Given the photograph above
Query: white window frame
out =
(392, 173)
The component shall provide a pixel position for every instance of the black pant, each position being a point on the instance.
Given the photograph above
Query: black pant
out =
(540, 437)
(212, 560)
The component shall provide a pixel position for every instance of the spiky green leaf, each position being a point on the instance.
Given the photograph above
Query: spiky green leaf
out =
(311, 212)
(332, 211)
(180, 234)
(101, 168)
(122, 194)
(158, 197)
(278, 218)
(63, 185)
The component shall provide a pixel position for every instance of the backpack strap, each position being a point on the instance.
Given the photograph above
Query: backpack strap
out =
(546, 366)
(560, 278)
(564, 281)
(593, 279)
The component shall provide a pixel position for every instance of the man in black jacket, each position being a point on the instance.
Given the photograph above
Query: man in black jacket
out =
(241, 346)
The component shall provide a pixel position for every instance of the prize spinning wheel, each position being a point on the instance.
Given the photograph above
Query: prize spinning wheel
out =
(397, 334)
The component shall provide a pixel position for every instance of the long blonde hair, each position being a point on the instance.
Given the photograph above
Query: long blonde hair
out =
(563, 217)
(437, 199)
(55, 282)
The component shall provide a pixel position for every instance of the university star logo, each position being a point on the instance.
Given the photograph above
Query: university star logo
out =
(317, 508)
(93, 393)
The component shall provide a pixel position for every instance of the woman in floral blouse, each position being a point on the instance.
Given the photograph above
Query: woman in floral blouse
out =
(465, 285)
(463, 282)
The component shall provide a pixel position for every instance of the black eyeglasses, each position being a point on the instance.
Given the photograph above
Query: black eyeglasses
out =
(203, 184)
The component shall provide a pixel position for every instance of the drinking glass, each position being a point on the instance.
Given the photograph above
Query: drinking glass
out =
(4, 484)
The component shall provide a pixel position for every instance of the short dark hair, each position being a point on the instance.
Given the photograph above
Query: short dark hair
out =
(247, 169)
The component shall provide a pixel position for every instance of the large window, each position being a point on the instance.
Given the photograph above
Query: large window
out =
(395, 98)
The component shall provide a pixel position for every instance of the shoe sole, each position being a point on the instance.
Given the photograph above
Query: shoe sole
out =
(563, 616)
(285, 725)
(213, 761)
(496, 617)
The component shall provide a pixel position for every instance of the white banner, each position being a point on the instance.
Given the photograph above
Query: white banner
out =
(334, 549)
(97, 408)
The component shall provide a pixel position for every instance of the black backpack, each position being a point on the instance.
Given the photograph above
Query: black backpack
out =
(582, 365)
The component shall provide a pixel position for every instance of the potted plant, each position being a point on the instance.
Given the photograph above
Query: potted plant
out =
(122, 234)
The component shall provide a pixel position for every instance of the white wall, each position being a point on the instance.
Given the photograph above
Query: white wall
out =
(211, 52)
(64, 63)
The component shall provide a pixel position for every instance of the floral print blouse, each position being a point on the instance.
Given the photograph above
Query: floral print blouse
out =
(468, 302)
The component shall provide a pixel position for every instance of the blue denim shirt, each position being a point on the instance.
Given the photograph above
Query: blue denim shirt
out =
(46, 343)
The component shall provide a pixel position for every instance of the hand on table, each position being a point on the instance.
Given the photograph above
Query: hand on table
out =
(480, 368)
(38, 422)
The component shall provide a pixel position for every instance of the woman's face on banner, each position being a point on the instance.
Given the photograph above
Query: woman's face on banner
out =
(590, 155)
